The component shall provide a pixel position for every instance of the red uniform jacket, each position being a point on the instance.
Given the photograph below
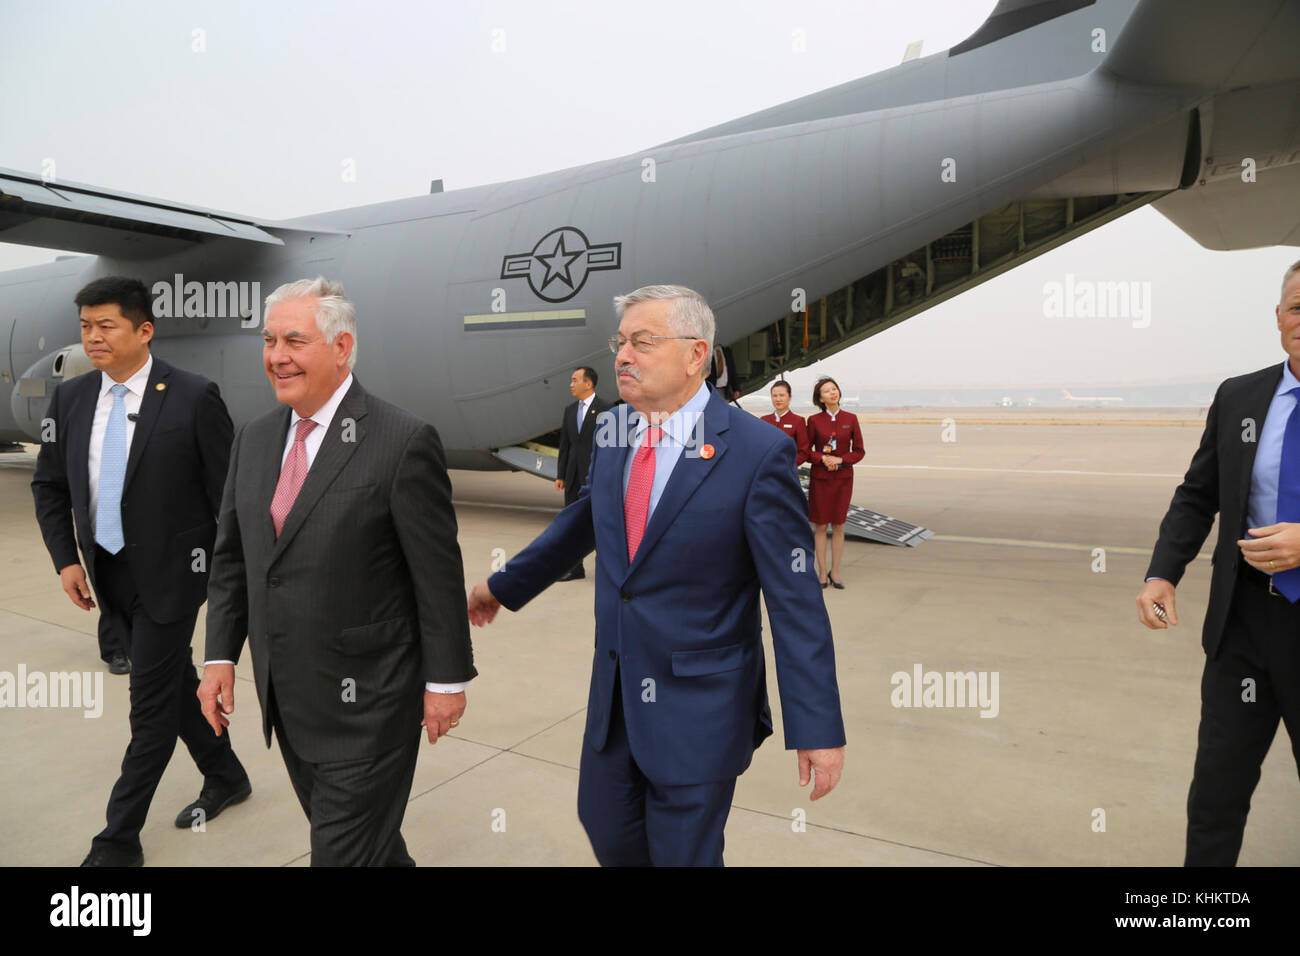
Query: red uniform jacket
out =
(847, 436)
(794, 426)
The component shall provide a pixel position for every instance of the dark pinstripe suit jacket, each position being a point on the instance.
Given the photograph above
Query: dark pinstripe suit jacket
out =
(362, 597)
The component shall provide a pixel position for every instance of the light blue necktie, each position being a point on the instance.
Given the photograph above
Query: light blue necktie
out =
(1288, 495)
(112, 475)
(581, 417)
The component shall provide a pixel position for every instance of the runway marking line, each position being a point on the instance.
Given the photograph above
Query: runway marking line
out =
(1026, 471)
(1048, 545)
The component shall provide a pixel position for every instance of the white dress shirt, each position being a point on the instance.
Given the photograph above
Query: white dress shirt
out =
(324, 417)
(719, 368)
(135, 386)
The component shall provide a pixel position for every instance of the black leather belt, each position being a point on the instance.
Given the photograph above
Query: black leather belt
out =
(1259, 579)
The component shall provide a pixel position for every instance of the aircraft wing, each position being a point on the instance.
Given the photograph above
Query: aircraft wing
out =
(58, 215)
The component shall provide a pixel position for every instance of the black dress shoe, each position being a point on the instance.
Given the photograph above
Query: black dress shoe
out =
(838, 585)
(112, 856)
(825, 585)
(211, 801)
(119, 664)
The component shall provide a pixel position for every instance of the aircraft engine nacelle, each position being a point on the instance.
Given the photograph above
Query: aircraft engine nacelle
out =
(31, 395)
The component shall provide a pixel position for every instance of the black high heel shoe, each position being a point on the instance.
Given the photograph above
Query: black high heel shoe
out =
(825, 585)
(838, 585)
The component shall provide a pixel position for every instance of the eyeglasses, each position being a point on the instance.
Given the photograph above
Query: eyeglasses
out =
(642, 342)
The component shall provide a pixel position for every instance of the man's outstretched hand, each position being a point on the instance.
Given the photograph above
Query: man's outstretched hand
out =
(828, 764)
(483, 606)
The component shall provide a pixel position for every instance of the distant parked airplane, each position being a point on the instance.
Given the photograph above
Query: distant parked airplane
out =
(1092, 398)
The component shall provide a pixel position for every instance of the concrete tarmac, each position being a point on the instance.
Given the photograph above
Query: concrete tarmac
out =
(1087, 761)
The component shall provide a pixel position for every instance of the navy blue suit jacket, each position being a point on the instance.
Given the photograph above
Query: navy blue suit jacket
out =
(684, 615)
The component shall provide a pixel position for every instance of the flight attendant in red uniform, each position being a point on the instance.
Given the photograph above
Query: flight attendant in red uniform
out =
(790, 423)
(834, 446)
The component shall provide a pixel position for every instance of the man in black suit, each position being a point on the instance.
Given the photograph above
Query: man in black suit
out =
(1247, 469)
(576, 429)
(722, 373)
(336, 558)
(131, 467)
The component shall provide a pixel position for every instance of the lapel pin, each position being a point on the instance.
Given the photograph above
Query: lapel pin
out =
(706, 452)
(160, 386)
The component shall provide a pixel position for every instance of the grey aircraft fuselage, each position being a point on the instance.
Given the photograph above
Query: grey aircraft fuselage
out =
(808, 227)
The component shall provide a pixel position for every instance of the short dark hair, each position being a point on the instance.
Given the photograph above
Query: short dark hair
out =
(817, 391)
(781, 383)
(131, 296)
(588, 373)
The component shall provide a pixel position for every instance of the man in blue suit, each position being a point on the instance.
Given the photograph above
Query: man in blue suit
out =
(692, 507)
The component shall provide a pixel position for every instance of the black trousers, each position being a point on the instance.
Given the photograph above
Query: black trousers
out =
(1251, 683)
(163, 707)
(571, 490)
(112, 635)
(355, 807)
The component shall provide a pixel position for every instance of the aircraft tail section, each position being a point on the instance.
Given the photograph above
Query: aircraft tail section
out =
(1010, 17)
(1023, 42)
(1208, 44)
(1237, 60)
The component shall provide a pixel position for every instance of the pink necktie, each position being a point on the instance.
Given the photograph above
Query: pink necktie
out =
(636, 504)
(292, 476)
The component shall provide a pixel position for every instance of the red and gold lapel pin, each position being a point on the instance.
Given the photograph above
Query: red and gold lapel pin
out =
(706, 452)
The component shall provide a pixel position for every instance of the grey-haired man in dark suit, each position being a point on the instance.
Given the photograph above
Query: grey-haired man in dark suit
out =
(1247, 472)
(337, 558)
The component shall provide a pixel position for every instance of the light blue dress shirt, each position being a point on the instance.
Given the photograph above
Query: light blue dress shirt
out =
(678, 433)
(1261, 508)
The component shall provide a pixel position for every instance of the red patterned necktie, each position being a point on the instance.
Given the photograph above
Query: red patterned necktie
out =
(292, 475)
(636, 504)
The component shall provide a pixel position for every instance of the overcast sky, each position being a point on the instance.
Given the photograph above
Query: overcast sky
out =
(260, 120)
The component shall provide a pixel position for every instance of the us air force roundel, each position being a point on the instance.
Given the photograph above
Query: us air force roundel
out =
(558, 266)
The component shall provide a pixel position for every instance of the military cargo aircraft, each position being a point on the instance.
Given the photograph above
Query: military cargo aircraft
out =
(809, 226)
